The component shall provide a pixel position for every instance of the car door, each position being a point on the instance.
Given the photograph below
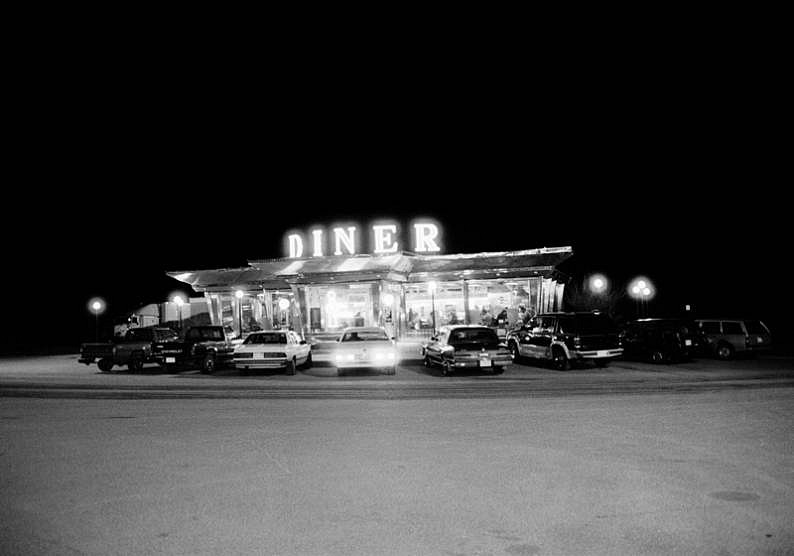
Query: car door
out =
(302, 349)
(523, 339)
(534, 342)
(435, 347)
(541, 336)
(733, 333)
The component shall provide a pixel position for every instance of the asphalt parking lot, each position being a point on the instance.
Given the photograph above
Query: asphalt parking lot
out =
(65, 376)
(634, 459)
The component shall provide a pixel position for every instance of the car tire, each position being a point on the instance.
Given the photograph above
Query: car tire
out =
(513, 347)
(657, 357)
(308, 363)
(446, 368)
(105, 365)
(724, 351)
(427, 362)
(559, 360)
(208, 364)
(291, 367)
(135, 365)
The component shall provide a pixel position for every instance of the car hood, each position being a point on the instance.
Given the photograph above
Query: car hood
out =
(371, 344)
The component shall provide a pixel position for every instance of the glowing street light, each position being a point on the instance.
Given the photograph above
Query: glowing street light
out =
(97, 306)
(432, 287)
(179, 301)
(641, 290)
(598, 283)
(239, 295)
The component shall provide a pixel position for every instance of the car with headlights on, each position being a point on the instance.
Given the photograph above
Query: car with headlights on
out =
(466, 346)
(272, 349)
(365, 347)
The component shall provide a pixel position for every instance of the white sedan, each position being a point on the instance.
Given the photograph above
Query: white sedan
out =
(366, 346)
(274, 349)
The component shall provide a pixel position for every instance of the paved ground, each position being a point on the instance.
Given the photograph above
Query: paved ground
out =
(693, 459)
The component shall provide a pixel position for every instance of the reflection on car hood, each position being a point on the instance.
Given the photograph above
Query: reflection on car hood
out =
(367, 344)
(261, 347)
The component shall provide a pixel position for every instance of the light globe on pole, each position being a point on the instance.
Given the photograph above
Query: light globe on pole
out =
(598, 284)
(178, 300)
(432, 287)
(239, 295)
(641, 289)
(97, 306)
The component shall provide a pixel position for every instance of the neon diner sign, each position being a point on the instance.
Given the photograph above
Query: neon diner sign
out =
(384, 238)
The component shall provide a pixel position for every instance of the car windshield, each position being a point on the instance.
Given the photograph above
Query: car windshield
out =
(206, 334)
(473, 336)
(266, 338)
(588, 324)
(755, 327)
(364, 336)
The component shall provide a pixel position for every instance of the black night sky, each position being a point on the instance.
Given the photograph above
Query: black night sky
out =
(681, 183)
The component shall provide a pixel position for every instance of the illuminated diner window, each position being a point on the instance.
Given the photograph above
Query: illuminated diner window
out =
(330, 309)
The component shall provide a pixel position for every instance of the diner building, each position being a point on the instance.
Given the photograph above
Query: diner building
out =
(407, 293)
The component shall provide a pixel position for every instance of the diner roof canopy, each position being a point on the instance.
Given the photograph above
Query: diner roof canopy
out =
(403, 267)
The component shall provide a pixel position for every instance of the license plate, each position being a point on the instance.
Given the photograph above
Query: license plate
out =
(170, 359)
(687, 342)
(485, 362)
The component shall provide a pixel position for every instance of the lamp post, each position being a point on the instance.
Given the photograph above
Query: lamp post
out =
(283, 305)
(178, 301)
(97, 306)
(432, 287)
(239, 295)
(642, 291)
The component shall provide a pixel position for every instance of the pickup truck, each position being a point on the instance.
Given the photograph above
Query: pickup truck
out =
(205, 347)
(134, 349)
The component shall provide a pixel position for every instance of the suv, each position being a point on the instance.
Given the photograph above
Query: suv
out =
(565, 337)
(727, 337)
(660, 340)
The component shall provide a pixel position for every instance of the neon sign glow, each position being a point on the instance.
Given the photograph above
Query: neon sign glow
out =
(385, 238)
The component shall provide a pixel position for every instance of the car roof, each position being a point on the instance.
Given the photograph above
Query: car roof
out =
(572, 314)
(363, 329)
(723, 320)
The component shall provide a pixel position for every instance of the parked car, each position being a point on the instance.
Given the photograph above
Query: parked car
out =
(134, 349)
(466, 346)
(205, 347)
(366, 347)
(274, 349)
(562, 338)
(660, 340)
(727, 337)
